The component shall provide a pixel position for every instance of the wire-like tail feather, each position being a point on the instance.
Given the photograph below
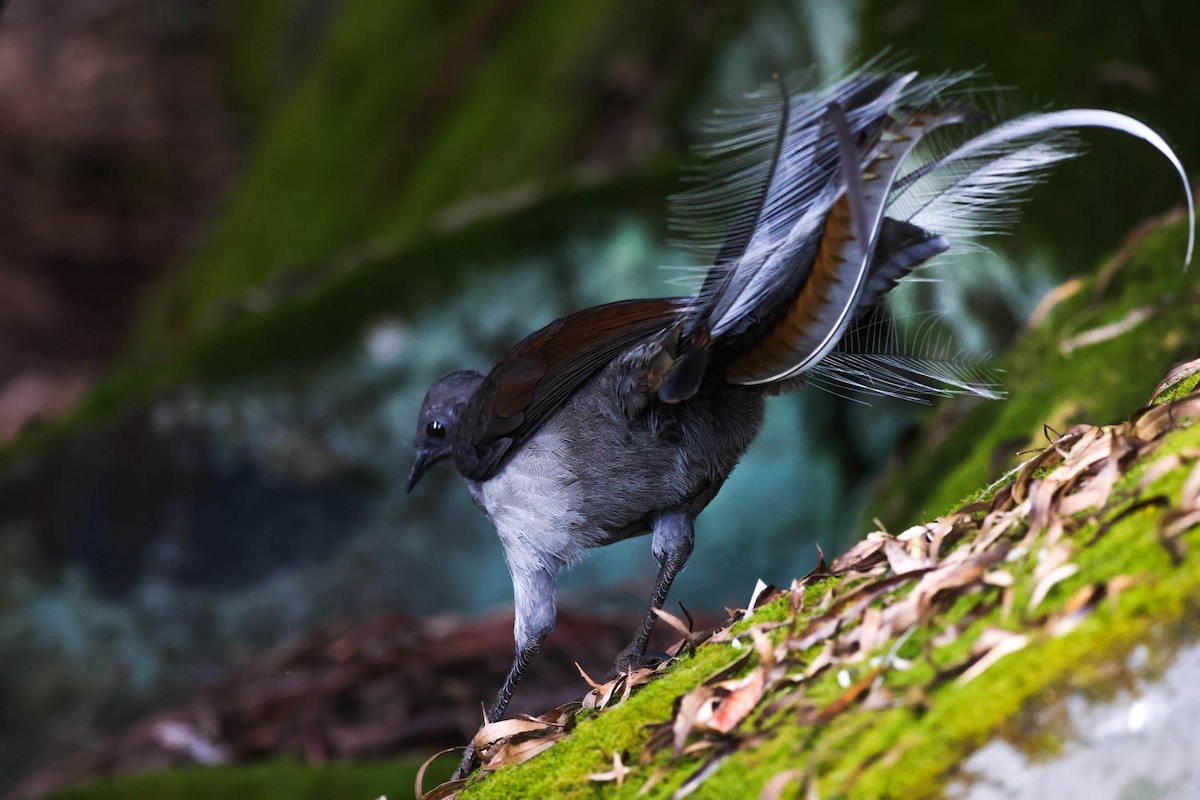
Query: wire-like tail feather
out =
(820, 219)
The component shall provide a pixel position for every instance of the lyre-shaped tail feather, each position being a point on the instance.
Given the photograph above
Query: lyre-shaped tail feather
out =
(904, 359)
(812, 217)
(985, 174)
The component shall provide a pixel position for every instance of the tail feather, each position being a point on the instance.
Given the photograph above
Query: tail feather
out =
(1026, 129)
(793, 222)
(825, 304)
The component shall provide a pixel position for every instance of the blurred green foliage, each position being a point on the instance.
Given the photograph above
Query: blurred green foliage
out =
(409, 108)
(274, 779)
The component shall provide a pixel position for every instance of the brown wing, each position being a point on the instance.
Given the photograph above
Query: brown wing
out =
(538, 375)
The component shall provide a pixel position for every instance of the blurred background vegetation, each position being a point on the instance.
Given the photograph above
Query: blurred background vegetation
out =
(239, 239)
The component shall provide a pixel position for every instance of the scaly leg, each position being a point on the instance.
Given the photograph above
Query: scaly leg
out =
(533, 591)
(672, 545)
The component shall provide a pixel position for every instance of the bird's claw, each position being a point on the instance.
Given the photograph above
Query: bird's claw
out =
(633, 658)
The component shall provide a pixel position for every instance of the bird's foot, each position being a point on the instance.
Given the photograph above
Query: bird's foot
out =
(468, 764)
(633, 658)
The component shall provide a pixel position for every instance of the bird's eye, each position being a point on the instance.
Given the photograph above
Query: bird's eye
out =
(435, 430)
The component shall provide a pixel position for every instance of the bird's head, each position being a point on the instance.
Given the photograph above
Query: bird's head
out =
(438, 421)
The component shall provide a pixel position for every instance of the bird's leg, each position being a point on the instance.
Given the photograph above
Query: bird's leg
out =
(672, 545)
(533, 592)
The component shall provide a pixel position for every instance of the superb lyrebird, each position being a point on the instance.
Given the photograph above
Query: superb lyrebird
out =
(627, 418)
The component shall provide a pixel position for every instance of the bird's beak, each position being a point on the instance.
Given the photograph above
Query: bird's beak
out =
(425, 460)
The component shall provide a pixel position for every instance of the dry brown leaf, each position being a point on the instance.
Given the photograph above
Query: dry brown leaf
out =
(774, 788)
(999, 643)
(1105, 332)
(999, 577)
(1157, 420)
(505, 728)
(941, 530)
(564, 715)
(1170, 526)
(994, 525)
(863, 555)
(653, 781)
(1048, 582)
(915, 532)
(1084, 597)
(617, 773)
(743, 697)
(519, 750)
(597, 686)
(1091, 446)
(1120, 583)
(851, 694)
(695, 709)
(1023, 482)
(767, 655)
(601, 695)
(637, 678)
(823, 660)
(698, 747)
(446, 791)
(951, 575)
(878, 698)
(1096, 492)
(1190, 496)
(693, 781)
(1043, 513)
(679, 626)
(1077, 607)
(900, 560)
(419, 782)
(1050, 559)
(796, 597)
(1176, 375)
(871, 632)
(1158, 469)
(819, 630)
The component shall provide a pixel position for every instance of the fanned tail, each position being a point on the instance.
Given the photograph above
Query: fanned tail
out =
(876, 359)
(812, 214)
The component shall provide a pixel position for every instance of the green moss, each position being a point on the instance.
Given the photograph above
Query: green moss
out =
(1096, 384)
(1181, 389)
(276, 779)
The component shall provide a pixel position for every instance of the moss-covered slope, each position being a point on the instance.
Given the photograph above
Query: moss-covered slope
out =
(877, 677)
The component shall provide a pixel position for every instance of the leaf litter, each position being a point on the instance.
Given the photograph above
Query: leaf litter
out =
(879, 593)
